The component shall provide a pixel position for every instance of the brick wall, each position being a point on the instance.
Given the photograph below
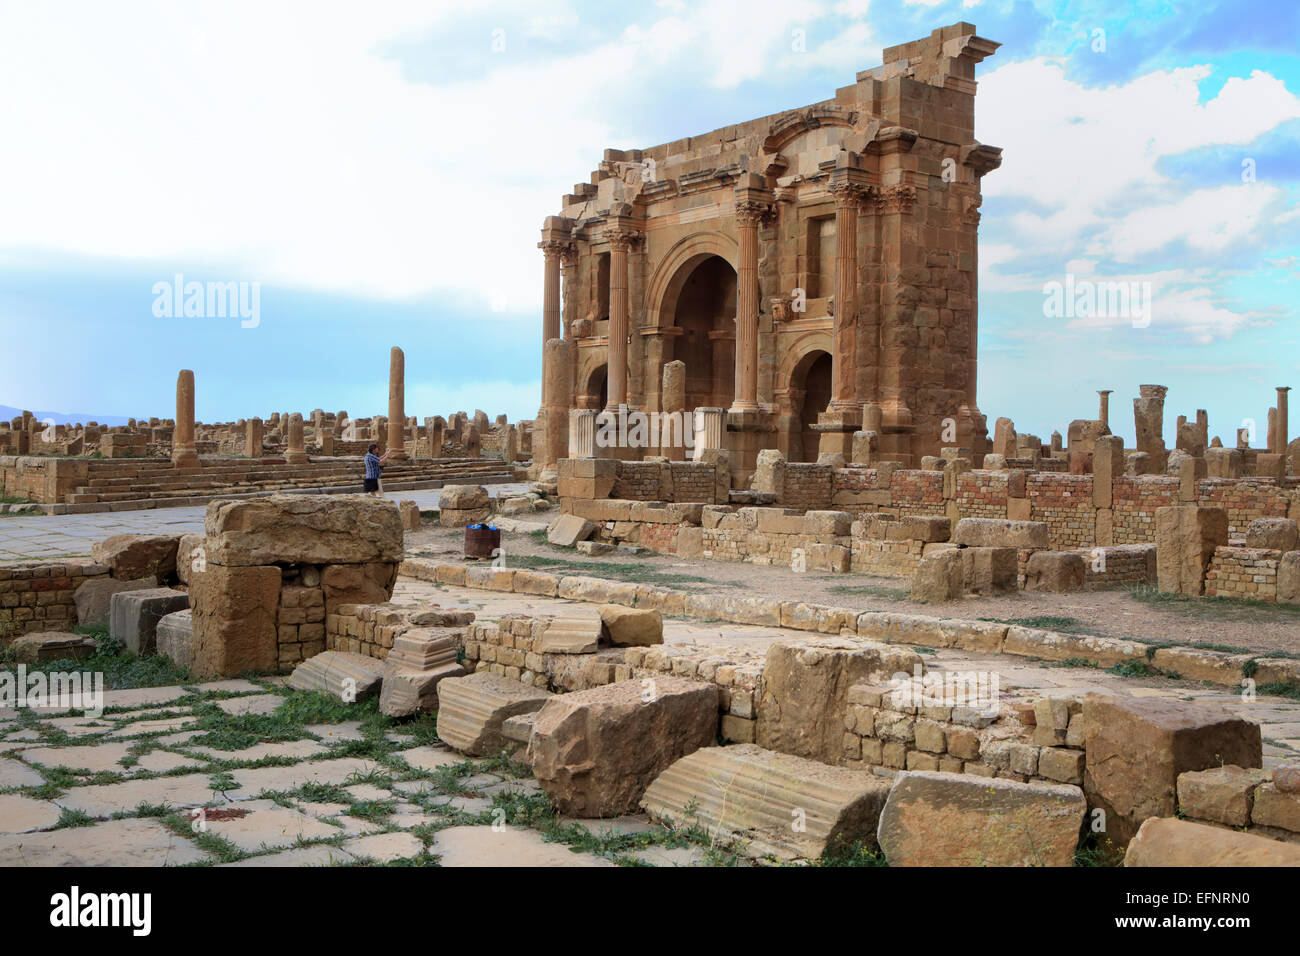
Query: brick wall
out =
(1135, 503)
(1064, 503)
(1243, 573)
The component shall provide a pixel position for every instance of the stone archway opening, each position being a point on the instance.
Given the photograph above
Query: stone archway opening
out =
(812, 379)
(595, 392)
(705, 311)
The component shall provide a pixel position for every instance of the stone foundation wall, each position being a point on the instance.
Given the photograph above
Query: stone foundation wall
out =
(1064, 503)
(38, 596)
(1241, 799)
(1133, 515)
(1243, 573)
(364, 629)
(1117, 565)
(1245, 499)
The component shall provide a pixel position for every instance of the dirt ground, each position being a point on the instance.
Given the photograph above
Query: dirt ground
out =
(1138, 613)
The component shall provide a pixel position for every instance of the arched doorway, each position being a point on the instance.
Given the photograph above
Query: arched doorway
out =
(705, 311)
(812, 378)
(595, 392)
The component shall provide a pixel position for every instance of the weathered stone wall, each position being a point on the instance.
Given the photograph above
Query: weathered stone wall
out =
(1136, 501)
(1243, 573)
(38, 595)
(1064, 503)
(1245, 499)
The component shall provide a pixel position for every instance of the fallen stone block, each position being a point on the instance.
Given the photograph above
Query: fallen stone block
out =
(303, 529)
(135, 556)
(1138, 747)
(472, 709)
(518, 728)
(175, 638)
(134, 616)
(756, 796)
(567, 530)
(805, 691)
(575, 629)
(51, 646)
(94, 596)
(463, 497)
(951, 819)
(1168, 841)
(596, 751)
(1055, 571)
(349, 677)
(1001, 533)
(418, 661)
(1220, 795)
(594, 548)
(988, 571)
(631, 627)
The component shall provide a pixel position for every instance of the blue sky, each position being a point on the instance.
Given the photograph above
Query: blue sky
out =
(382, 171)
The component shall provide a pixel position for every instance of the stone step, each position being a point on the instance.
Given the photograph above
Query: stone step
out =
(780, 805)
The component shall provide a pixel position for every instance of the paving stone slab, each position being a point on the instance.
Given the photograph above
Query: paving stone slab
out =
(257, 704)
(670, 856)
(320, 855)
(384, 847)
(15, 774)
(132, 842)
(234, 685)
(430, 758)
(20, 814)
(293, 749)
(102, 800)
(335, 733)
(142, 727)
(92, 758)
(164, 761)
(512, 846)
(269, 828)
(252, 781)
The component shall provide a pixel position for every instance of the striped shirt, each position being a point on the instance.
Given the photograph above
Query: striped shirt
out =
(373, 467)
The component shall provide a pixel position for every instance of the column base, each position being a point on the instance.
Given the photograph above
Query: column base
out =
(296, 458)
(835, 428)
(749, 431)
(186, 458)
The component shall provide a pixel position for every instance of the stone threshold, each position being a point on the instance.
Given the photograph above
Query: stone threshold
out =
(983, 637)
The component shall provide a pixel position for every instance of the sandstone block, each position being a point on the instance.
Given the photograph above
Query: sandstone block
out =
(349, 677)
(51, 646)
(463, 497)
(805, 691)
(303, 529)
(1186, 536)
(1138, 747)
(135, 556)
(1168, 841)
(94, 595)
(358, 583)
(940, 577)
(746, 793)
(988, 571)
(410, 512)
(1000, 533)
(1220, 794)
(1276, 808)
(596, 751)
(418, 661)
(575, 629)
(948, 819)
(175, 638)
(471, 710)
(134, 616)
(631, 627)
(1055, 571)
(234, 612)
(1274, 534)
(567, 530)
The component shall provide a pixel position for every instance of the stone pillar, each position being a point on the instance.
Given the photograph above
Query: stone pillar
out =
(396, 405)
(434, 428)
(1149, 419)
(297, 451)
(1282, 436)
(326, 441)
(621, 237)
(184, 454)
(582, 433)
(557, 387)
(555, 241)
(848, 195)
(253, 438)
(751, 207)
(673, 400)
(710, 424)
(1103, 410)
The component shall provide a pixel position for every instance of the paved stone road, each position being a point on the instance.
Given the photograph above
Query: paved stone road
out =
(59, 536)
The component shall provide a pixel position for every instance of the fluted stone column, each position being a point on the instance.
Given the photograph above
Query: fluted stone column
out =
(749, 214)
(396, 405)
(620, 243)
(848, 196)
(582, 433)
(555, 243)
(297, 450)
(184, 454)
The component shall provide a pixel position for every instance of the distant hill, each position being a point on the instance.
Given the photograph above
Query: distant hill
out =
(8, 413)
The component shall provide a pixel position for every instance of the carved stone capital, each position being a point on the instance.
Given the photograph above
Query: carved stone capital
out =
(849, 195)
(752, 213)
(622, 240)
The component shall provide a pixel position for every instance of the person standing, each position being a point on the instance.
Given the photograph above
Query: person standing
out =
(374, 469)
